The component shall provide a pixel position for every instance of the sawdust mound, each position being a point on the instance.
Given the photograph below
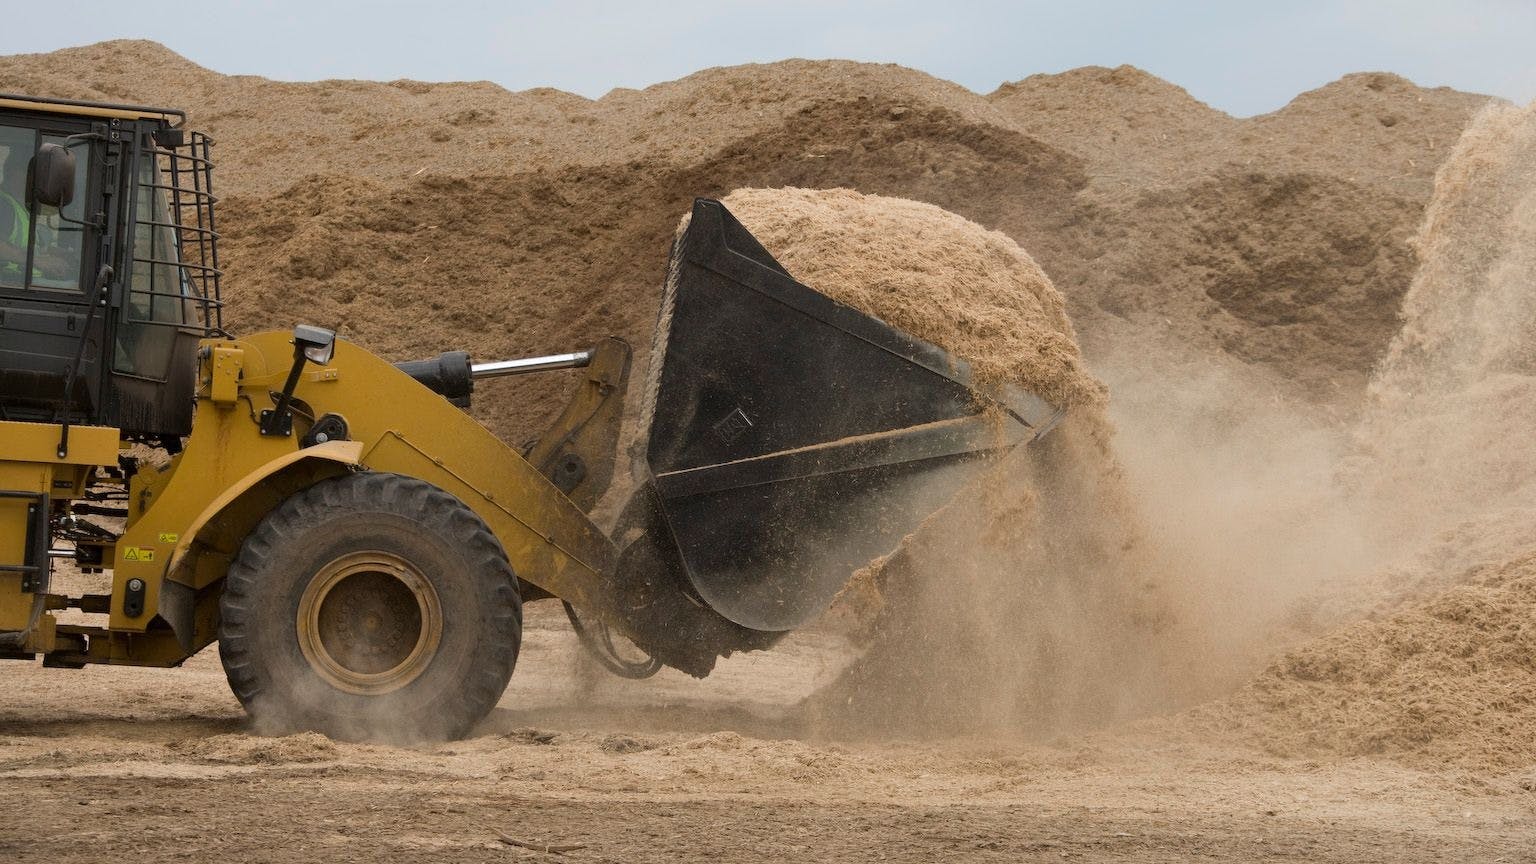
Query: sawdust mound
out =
(1450, 680)
(258, 750)
(1281, 240)
(1306, 282)
(932, 273)
(552, 211)
(1138, 132)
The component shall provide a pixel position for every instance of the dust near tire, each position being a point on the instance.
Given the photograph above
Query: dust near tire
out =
(370, 607)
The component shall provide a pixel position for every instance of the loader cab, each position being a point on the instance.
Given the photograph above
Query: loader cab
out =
(106, 288)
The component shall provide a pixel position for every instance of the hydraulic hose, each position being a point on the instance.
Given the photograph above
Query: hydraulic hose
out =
(599, 641)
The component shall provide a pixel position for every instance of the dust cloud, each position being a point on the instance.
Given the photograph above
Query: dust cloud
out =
(1450, 412)
(1377, 565)
(1160, 551)
(1023, 601)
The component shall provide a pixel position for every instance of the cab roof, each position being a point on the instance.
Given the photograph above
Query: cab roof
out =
(80, 108)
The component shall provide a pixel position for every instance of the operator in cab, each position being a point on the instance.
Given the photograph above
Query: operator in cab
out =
(55, 244)
(15, 223)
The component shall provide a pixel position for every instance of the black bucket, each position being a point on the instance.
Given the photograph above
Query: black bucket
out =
(792, 438)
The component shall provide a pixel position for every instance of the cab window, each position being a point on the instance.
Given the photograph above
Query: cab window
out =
(159, 298)
(41, 248)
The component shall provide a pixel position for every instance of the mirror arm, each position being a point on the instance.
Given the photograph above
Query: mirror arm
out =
(99, 222)
(278, 420)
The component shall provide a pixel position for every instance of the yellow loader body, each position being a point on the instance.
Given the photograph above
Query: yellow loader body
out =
(186, 520)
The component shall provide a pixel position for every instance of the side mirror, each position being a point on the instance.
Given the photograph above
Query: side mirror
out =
(53, 176)
(310, 343)
(316, 343)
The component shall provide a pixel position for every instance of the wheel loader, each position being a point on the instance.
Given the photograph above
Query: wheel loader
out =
(358, 545)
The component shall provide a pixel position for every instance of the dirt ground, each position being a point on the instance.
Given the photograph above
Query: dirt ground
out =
(158, 765)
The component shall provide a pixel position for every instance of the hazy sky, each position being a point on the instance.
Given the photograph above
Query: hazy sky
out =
(1242, 57)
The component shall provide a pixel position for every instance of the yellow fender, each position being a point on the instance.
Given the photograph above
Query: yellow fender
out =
(177, 602)
(349, 453)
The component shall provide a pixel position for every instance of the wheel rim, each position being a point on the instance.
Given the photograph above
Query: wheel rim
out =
(369, 622)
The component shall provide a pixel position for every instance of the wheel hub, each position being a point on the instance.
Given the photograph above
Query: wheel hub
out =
(369, 622)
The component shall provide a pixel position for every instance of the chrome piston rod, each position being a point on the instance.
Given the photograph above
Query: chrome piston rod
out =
(524, 365)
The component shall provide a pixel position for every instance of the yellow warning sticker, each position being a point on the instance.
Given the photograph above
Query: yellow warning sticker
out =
(168, 537)
(139, 553)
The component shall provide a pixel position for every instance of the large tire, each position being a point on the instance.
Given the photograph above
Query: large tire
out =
(370, 607)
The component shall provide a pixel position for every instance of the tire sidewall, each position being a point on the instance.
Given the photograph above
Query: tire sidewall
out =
(472, 597)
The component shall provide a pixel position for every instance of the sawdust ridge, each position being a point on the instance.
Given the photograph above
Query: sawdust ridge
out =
(425, 217)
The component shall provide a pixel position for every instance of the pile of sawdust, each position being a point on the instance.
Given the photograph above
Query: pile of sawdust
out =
(1138, 131)
(930, 273)
(258, 750)
(1448, 680)
(537, 221)
(1281, 240)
